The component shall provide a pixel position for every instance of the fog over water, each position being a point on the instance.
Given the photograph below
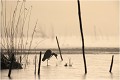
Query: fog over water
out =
(33, 25)
(60, 18)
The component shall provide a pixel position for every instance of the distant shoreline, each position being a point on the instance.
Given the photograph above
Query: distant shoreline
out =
(91, 50)
(66, 49)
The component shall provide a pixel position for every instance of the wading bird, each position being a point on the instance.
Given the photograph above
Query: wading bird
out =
(48, 54)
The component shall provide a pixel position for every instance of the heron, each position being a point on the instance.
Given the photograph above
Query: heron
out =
(48, 54)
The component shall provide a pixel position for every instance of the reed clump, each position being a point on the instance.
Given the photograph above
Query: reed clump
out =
(14, 38)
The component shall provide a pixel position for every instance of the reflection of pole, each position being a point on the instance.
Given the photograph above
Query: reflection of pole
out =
(59, 48)
(80, 21)
(111, 64)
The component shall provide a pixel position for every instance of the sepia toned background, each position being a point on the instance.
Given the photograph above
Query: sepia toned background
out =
(100, 21)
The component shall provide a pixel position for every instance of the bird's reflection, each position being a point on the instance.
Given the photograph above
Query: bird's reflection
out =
(35, 76)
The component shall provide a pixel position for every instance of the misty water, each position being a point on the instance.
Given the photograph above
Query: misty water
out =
(98, 66)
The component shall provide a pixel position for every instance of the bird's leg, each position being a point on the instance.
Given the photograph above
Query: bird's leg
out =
(47, 62)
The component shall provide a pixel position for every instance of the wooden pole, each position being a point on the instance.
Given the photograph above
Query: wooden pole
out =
(39, 63)
(35, 64)
(59, 48)
(82, 36)
(11, 63)
(20, 59)
(111, 64)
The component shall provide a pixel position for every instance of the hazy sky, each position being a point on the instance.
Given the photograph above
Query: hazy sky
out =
(100, 21)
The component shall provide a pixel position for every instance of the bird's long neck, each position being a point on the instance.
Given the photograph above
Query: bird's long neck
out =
(52, 54)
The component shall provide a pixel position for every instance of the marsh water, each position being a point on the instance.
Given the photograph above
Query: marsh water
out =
(98, 65)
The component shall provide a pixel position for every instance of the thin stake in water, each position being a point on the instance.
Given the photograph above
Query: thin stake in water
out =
(35, 64)
(20, 59)
(82, 36)
(39, 63)
(11, 63)
(59, 48)
(111, 64)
